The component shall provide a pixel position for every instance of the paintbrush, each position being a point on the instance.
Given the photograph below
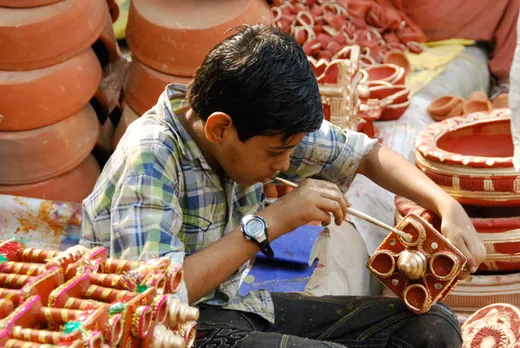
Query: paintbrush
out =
(405, 236)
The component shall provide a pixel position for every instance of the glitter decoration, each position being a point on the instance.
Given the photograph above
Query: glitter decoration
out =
(71, 326)
(141, 288)
(116, 308)
(3, 258)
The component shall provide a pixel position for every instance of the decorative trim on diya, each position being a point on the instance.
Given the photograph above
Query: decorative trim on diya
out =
(496, 325)
(421, 271)
(501, 237)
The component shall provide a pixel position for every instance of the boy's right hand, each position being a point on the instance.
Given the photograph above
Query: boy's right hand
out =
(311, 201)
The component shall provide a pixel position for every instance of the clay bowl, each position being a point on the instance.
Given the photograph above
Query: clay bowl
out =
(399, 93)
(445, 106)
(55, 32)
(145, 85)
(398, 58)
(478, 95)
(43, 153)
(175, 36)
(36, 98)
(72, 186)
(501, 101)
(394, 111)
(390, 73)
(128, 116)
(470, 157)
(26, 3)
(477, 105)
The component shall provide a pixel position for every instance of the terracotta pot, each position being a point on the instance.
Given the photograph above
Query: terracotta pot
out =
(398, 58)
(128, 116)
(145, 85)
(43, 153)
(471, 106)
(501, 101)
(497, 323)
(500, 234)
(111, 51)
(175, 36)
(477, 291)
(445, 107)
(479, 95)
(470, 157)
(72, 186)
(395, 111)
(57, 32)
(36, 98)
(386, 72)
(26, 3)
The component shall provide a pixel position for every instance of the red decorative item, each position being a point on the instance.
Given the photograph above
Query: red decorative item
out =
(421, 271)
(496, 325)
(470, 157)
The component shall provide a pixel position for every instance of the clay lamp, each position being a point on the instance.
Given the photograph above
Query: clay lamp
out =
(57, 32)
(390, 73)
(501, 101)
(472, 106)
(470, 157)
(397, 57)
(421, 271)
(43, 153)
(497, 228)
(388, 101)
(445, 107)
(145, 85)
(192, 29)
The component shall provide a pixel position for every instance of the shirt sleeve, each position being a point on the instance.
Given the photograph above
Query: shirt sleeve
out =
(331, 154)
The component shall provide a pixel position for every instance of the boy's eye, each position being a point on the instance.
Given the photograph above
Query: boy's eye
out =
(275, 154)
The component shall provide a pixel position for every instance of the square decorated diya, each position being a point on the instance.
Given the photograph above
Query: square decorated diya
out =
(421, 271)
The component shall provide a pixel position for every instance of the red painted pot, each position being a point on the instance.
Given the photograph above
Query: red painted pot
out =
(145, 85)
(175, 36)
(37, 98)
(72, 186)
(390, 73)
(499, 231)
(470, 157)
(43, 153)
(56, 32)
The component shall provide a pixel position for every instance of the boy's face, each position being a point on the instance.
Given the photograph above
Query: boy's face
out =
(258, 159)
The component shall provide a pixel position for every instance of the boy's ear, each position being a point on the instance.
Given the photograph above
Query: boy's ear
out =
(217, 127)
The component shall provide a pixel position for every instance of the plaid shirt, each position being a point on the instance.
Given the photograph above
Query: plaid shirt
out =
(158, 196)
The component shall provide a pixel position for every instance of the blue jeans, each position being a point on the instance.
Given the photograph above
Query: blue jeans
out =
(329, 321)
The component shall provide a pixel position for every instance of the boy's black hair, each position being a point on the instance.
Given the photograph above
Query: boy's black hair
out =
(262, 79)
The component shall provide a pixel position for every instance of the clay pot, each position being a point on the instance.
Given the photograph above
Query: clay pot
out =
(43, 153)
(498, 233)
(398, 58)
(445, 107)
(56, 32)
(175, 36)
(26, 3)
(394, 111)
(271, 191)
(386, 72)
(470, 157)
(145, 85)
(36, 98)
(501, 101)
(111, 51)
(478, 95)
(72, 186)
(128, 116)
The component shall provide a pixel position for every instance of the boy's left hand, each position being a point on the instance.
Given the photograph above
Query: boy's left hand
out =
(457, 227)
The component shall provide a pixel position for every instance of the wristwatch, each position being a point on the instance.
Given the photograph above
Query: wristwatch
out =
(254, 229)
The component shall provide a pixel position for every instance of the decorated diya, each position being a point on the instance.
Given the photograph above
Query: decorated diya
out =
(470, 157)
(498, 228)
(421, 271)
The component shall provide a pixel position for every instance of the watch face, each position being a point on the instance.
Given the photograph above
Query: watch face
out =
(254, 228)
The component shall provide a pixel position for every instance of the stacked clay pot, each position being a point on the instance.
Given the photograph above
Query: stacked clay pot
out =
(470, 157)
(52, 57)
(169, 40)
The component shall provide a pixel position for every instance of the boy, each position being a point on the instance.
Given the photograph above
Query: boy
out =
(185, 181)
